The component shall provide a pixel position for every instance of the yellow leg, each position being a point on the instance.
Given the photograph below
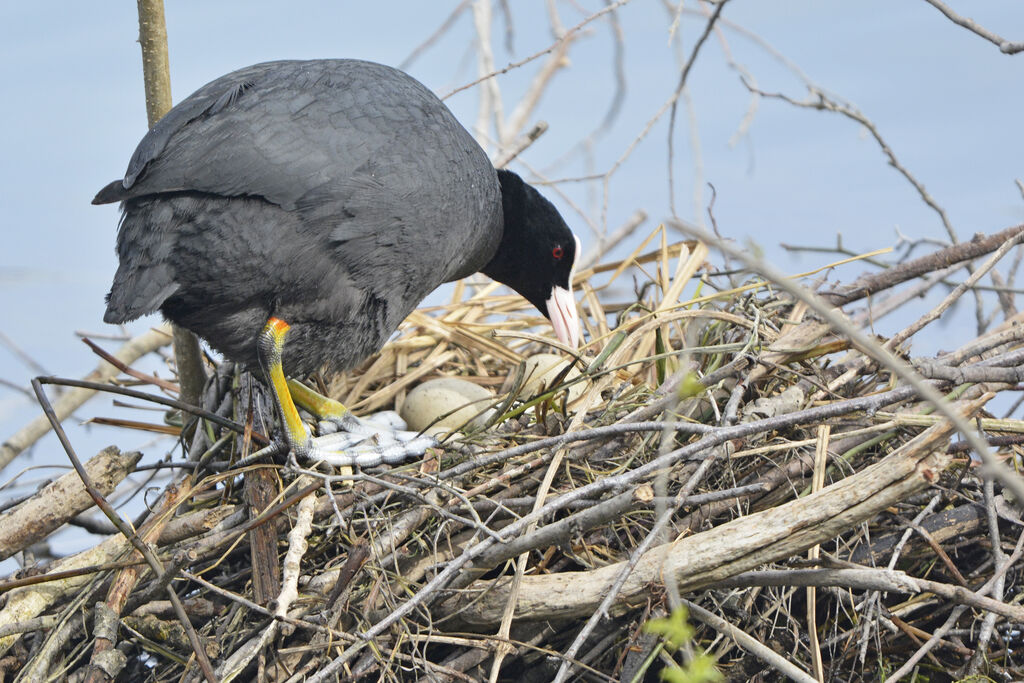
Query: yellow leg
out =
(271, 344)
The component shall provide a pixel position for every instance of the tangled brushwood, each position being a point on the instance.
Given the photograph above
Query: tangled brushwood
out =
(729, 477)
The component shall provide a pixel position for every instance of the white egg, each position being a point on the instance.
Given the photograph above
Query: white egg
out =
(455, 401)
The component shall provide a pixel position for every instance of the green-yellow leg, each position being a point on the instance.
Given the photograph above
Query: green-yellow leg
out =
(320, 405)
(271, 345)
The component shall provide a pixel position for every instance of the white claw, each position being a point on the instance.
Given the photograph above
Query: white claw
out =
(324, 427)
(388, 419)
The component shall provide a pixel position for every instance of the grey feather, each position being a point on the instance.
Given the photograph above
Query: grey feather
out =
(292, 189)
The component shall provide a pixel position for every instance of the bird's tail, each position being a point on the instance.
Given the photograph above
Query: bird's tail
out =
(145, 277)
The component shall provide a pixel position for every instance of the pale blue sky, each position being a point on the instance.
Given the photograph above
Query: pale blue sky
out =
(948, 103)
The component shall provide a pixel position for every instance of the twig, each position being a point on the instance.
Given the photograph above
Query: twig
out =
(571, 437)
(613, 593)
(126, 531)
(818, 483)
(866, 578)
(130, 371)
(999, 560)
(875, 311)
(819, 100)
(941, 631)
(518, 146)
(28, 360)
(105, 662)
(606, 244)
(72, 400)
(874, 599)
(156, 74)
(957, 253)
(708, 26)
(44, 623)
(162, 400)
(568, 36)
(900, 368)
(691, 563)
(750, 644)
(957, 292)
(934, 370)
(297, 546)
(61, 500)
(1005, 46)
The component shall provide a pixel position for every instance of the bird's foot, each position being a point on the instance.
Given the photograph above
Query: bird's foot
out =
(345, 440)
(381, 438)
(359, 442)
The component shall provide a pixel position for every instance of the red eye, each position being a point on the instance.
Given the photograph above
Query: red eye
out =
(558, 252)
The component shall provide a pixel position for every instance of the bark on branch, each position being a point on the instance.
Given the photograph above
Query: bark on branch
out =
(61, 500)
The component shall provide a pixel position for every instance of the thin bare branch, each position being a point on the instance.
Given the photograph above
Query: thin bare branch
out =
(1005, 46)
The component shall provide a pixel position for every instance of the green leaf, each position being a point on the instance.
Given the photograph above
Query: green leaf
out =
(691, 386)
(672, 628)
(676, 632)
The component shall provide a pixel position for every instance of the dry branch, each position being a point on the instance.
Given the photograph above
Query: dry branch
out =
(29, 602)
(61, 500)
(727, 550)
(1005, 46)
(958, 253)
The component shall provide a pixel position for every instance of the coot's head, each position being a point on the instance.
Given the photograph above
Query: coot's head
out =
(537, 256)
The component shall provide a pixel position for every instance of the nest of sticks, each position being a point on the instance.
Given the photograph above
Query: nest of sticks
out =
(739, 478)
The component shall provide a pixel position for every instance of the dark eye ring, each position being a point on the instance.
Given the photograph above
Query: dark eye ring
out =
(558, 252)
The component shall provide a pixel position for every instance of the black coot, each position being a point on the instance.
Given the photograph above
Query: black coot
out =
(332, 195)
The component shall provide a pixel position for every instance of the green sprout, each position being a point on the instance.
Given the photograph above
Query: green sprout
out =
(677, 633)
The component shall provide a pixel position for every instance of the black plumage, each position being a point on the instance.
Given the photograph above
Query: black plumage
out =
(332, 194)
